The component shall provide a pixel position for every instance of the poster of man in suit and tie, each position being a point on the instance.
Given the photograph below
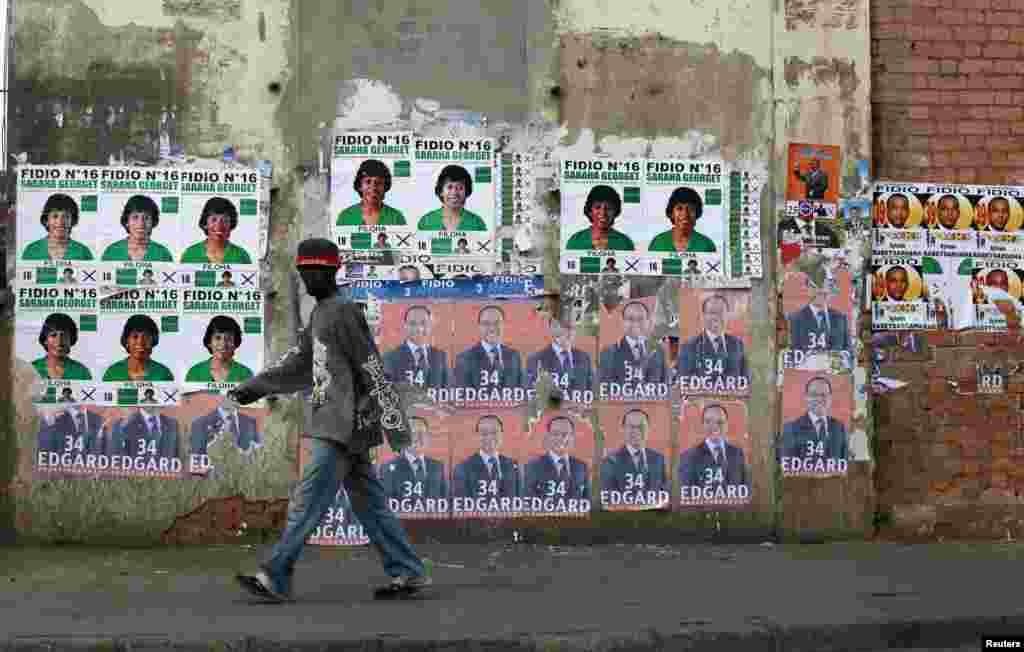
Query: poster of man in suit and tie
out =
(556, 477)
(818, 311)
(567, 357)
(416, 479)
(816, 410)
(73, 429)
(715, 336)
(150, 439)
(416, 342)
(226, 427)
(632, 366)
(491, 341)
(714, 463)
(634, 472)
(487, 445)
(814, 173)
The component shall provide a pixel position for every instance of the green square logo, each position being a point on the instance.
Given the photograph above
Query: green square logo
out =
(206, 279)
(46, 275)
(671, 267)
(631, 195)
(507, 244)
(169, 323)
(403, 169)
(360, 240)
(252, 325)
(88, 203)
(247, 207)
(127, 396)
(441, 246)
(168, 204)
(590, 265)
(87, 323)
(127, 276)
(483, 175)
(713, 197)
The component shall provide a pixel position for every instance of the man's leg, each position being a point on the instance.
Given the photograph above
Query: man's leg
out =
(310, 500)
(382, 527)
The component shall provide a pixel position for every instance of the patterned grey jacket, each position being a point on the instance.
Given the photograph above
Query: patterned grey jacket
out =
(352, 401)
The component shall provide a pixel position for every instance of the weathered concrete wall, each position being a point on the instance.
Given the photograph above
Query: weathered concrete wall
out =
(275, 79)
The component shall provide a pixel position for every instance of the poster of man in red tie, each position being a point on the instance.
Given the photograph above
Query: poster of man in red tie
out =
(489, 444)
(816, 410)
(633, 362)
(715, 337)
(714, 459)
(634, 471)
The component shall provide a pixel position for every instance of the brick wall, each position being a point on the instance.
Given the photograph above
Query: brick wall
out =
(947, 97)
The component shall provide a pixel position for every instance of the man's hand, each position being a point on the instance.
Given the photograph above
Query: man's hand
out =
(878, 286)
(239, 396)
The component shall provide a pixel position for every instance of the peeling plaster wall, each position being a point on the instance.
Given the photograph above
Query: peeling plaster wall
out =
(276, 79)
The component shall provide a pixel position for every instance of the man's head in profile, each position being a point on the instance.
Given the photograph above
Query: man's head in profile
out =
(636, 320)
(420, 436)
(408, 273)
(563, 332)
(998, 278)
(713, 312)
(897, 210)
(492, 324)
(999, 213)
(490, 430)
(897, 282)
(559, 437)
(418, 324)
(634, 428)
(949, 211)
(818, 396)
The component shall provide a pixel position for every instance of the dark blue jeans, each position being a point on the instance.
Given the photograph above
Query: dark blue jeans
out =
(332, 464)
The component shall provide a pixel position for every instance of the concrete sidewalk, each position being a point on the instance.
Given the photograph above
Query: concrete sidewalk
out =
(521, 597)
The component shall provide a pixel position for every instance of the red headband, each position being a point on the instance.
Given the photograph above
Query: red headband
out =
(322, 261)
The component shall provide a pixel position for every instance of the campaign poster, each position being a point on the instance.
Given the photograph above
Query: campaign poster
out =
(567, 354)
(226, 330)
(898, 219)
(816, 409)
(557, 472)
(714, 336)
(491, 342)
(339, 525)
(602, 215)
(818, 310)
(812, 196)
(813, 173)
(76, 440)
(220, 228)
(141, 347)
(454, 195)
(417, 479)
(633, 362)
(684, 216)
(415, 341)
(217, 435)
(903, 289)
(489, 445)
(417, 266)
(991, 280)
(635, 471)
(138, 227)
(372, 207)
(715, 454)
(60, 344)
(745, 252)
(855, 213)
(57, 225)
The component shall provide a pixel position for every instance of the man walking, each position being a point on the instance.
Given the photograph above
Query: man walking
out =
(354, 407)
